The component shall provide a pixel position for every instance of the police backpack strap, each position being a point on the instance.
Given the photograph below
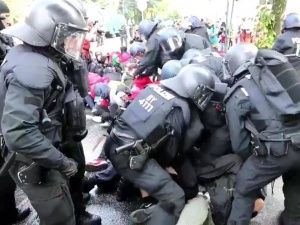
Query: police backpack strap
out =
(251, 128)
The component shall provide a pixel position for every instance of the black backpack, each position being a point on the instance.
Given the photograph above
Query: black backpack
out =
(278, 81)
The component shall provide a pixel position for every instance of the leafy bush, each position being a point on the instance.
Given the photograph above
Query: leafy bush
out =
(265, 28)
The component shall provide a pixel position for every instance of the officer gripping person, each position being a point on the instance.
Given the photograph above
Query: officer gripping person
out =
(169, 44)
(288, 43)
(9, 214)
(161, 118)
(35, 95)
(76, 72)
(265, 121)
(151, 60)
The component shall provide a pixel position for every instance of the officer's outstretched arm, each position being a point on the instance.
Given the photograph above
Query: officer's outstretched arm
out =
(237, 109)
(149, 59)
(20, 125)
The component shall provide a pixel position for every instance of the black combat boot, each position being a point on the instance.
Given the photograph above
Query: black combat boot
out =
(15, 217)
(87, 218)
(125, 190)
(88, 184)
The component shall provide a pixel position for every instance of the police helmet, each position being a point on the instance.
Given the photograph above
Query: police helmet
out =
(186, 26)
(192, 53)
(137, 48)
(195, 22)
(170, 69)
(79, 5)
(169, 39)
(146, 27)
(54, 23)
(193, 82)
(236, 58)
(292, 20)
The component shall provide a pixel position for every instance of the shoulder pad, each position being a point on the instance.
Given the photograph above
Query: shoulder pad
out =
(31, 69)
(233, 89)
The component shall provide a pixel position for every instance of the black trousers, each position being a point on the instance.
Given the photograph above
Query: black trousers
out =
(7, 196)
(259, 171)
(51, 199)
(155, 181)
(75, 151)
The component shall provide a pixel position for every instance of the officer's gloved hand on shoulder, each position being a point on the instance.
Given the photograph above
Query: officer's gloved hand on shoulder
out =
(68, 167)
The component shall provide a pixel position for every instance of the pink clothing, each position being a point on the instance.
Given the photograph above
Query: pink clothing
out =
(94, 79)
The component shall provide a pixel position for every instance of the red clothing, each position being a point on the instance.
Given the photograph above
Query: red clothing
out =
(222, 38)
(246, 37)
(104, 102)
(86, 49)
(138, 85)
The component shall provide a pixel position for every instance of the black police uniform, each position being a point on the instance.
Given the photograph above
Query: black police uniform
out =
(196, 42)
(245, 100)
(287, 44)
(26, 91)
(201, 31)
(155, 113)
(8, 210)
(153, 56)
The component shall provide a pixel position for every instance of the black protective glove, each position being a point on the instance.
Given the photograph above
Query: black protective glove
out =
(2, 50)
(68, 167)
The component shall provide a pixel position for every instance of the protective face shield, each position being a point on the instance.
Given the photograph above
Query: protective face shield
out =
(202, 96)
(68, 40)
(171, 44)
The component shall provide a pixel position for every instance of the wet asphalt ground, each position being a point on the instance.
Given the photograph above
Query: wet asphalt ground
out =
(115, 213)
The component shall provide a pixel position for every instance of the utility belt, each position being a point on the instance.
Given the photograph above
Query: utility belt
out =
(138, 151)
(272, 143)
(29, 173)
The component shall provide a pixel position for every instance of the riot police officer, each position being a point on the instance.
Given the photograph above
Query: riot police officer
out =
(257, 123)
(288, 43)
(9, 214)
(211, 62)
(198, 28)
(163, 117)
(175, 43)
(151, 60)
(35, 91)
(169, 44)
(76, 71)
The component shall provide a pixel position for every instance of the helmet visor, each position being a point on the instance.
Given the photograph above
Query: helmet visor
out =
(171, 44)
(69, 40)
(202, 96)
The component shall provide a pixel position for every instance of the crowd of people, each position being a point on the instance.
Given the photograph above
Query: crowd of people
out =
(197, 141)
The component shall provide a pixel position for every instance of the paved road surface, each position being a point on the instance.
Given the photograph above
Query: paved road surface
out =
(114, 213)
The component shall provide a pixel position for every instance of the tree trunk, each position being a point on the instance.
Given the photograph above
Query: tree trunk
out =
(278, 9)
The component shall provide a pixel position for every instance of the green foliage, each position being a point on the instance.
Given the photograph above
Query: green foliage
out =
(265, 28)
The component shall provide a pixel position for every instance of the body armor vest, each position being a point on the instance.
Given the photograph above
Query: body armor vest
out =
(146, 115)
(262, 116)
(54, 107)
